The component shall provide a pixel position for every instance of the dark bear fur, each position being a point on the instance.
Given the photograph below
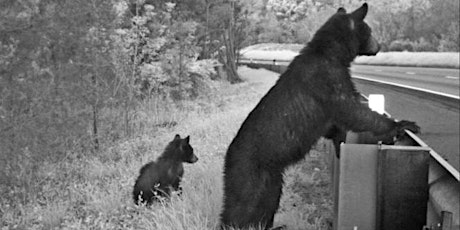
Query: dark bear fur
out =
(159, 178)
(312, 96)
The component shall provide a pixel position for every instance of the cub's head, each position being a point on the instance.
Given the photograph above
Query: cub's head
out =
(365, 43)
(183, 149)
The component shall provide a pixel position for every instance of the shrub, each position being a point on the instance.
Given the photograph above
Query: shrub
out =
(401, 45)
(422, 45)
(450, 42)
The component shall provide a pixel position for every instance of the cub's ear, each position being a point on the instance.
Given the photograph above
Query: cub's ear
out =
(341, 10)
(187, 139)
(177, 137)
(360, 13)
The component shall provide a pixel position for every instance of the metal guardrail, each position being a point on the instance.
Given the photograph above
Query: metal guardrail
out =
(444, 191)
(443, 210)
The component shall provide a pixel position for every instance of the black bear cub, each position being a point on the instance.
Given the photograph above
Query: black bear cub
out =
(159, 178)
(311, 97)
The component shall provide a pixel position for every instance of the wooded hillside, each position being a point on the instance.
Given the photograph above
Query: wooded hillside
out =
(412, 25)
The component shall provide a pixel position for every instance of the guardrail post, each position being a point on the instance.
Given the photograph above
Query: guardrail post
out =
(357, 187)
(402, 187)
(382, 187)
(444, 198)
(446, 220)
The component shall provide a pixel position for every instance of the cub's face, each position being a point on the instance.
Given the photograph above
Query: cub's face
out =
(187, 151)
(368, 45)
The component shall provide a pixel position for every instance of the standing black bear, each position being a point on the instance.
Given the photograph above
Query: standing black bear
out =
(158, 179)
(314, 94)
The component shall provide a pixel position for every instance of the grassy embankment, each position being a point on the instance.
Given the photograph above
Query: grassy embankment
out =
(93, 191)
(270, 51)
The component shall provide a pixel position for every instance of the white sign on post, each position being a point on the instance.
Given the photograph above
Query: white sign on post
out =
(377, 103)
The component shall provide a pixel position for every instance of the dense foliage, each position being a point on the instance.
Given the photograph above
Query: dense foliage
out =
(413, 25)
(79, 76)
(74, 73)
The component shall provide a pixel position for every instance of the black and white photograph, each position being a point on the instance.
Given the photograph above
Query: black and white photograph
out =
(229, 114)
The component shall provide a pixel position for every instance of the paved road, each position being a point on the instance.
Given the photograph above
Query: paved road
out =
(440, 80)
(434, 79)
(439, 123)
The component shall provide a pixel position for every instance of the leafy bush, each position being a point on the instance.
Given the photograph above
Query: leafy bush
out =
(74, 84)
(422, 45)
(401, 45)
(164, 55)
(450, 42)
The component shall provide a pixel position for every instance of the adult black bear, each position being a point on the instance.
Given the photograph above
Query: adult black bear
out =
(314, 94)
(158, 179)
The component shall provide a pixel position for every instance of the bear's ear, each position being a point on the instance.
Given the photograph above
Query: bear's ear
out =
(187, 139)
(177, 137)
(360, 13)
(341, 10)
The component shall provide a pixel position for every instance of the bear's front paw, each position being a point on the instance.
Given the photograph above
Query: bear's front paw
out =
(409, 125)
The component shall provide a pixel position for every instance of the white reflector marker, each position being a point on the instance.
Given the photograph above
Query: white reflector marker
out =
(377, 103)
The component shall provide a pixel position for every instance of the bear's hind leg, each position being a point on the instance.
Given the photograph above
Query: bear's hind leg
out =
(271, 199)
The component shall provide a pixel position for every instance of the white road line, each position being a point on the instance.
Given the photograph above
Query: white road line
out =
(451, 77)
(410, 73)
(409, 87)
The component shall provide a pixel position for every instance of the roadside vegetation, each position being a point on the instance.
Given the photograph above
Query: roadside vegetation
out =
(92, 190)
(412, 25)
(286, 52)
(418, 59)
(411, 33)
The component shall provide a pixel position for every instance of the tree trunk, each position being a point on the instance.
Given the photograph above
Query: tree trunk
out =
(230, 57)
(95, 116)
(227, 57)
(206, 28)
(95, 134)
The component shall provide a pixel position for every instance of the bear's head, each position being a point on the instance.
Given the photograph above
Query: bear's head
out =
(366, 43)
(345, 36)
(184, 150)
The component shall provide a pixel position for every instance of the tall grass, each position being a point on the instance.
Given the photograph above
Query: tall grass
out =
(419, 59)
(93, 190)
(287, 52)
